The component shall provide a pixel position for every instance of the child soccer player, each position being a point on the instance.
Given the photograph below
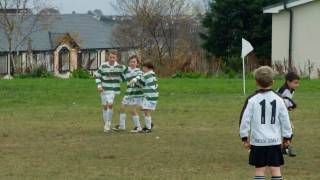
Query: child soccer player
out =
(148, 82)
(108, 78)
(133, 96)
(287, 91)
(266, 117)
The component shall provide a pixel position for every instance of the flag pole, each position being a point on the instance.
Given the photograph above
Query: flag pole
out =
(244, 76)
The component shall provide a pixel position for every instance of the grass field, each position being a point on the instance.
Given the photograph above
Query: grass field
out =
(51, 129)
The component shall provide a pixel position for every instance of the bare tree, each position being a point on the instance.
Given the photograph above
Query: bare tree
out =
(157, 21)
(18, 20)
(163, 30)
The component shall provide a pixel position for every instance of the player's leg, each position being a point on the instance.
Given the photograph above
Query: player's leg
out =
(109, 98)
(276, 173)
(260, 173)
(104, 102)
(107, 123)
(135, 119)
(147, 120)
(109, 112)
(257, 158)
(274, 161)
(148, 107)
(122, 118)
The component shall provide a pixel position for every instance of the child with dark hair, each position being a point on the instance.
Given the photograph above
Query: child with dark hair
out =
(287, 91)
(148, 82)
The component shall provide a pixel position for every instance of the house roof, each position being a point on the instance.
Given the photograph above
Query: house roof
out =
(87, 31)
(276, 8)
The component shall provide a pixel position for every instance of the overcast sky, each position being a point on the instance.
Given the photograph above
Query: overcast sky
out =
(82, 6)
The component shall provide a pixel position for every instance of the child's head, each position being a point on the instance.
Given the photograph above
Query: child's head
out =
(134, 61)
(292, 80)
(112, 56)
(147, 66)
(264, 77)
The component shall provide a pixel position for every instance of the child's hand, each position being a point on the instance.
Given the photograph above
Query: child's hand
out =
(286, 143)
(132, 82)
(246, 144)
(99, 89)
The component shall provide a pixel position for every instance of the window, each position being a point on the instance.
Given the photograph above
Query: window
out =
(17, 63)
(64, 60)
(89, 60)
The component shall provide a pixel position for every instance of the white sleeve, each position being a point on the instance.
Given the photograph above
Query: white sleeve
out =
(288, 103)
(245, 120)
(285, 121)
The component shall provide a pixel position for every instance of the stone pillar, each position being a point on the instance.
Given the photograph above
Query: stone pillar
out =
(73, 59)
(24, 62)
(56, 62)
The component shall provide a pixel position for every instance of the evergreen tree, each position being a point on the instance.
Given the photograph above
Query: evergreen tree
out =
(227, 21)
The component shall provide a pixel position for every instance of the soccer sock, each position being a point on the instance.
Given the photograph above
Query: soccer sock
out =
(105, 115)
(148, 121)
(136, 121)
(258, 178)
(276, 178)
(109, 116)
(122, 121)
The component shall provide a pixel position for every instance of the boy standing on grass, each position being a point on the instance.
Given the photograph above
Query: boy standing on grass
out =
(287, 91)
(133, 97)
(266, 118)
(148, 82)
(108, 78)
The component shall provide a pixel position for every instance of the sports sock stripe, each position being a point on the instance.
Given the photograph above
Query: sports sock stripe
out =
(276, 178)
(258, 178)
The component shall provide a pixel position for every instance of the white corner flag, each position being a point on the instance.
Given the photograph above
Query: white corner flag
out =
(246, 49)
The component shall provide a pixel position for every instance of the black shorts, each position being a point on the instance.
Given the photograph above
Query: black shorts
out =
(261, 156)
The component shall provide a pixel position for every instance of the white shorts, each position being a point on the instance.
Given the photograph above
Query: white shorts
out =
(151, 105)
(132, 101)
(107, 97)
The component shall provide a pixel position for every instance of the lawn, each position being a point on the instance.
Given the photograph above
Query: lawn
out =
(52, 129)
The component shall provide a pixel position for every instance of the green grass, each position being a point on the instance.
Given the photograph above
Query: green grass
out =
(52, 129)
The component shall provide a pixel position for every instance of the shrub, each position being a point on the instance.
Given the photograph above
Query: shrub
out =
(81, 74)
(42, 72)
(190, 75)
(39, 72)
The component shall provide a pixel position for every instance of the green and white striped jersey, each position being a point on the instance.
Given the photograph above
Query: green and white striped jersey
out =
(132, 91)
(109, 77)
(148, 82)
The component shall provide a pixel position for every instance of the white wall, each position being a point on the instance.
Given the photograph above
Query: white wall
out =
(306, 37)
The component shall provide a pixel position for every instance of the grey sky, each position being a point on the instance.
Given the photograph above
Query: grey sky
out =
(82, 6)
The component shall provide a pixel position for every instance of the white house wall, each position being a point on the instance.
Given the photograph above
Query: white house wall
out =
(306, 37)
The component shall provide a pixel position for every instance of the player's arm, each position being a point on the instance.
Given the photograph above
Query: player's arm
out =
(98, 80)
(245, 120)
(285, 123)
(138, 80)
(290, 104)
(123, 77)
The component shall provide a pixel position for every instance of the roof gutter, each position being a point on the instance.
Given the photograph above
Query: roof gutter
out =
(285, 2)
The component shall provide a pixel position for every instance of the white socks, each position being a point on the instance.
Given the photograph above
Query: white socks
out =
(122, 121)
(107, 116)
(148, 122)
(136, 121)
